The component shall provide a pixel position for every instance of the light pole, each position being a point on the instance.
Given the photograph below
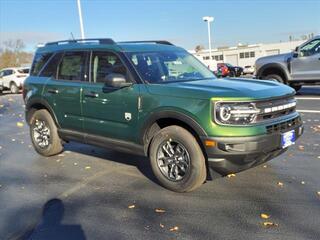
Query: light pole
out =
(80, 18)
(209, 19)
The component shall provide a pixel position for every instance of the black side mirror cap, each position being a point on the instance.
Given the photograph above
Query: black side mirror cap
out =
(295, 54)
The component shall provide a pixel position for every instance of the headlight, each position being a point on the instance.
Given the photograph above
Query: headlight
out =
(235, 113)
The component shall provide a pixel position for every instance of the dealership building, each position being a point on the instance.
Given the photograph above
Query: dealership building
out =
(245, 55)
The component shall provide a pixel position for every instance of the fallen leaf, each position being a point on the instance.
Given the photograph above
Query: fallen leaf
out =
(13, 140)
(280, 184)
(159, 210)
(301, 148)
(58, 160)
(75, 164)
(87, 167)
(231, 175)
(264, 216)
(270, 224)
(303, 182)
(161, 225)
(265, 166)
(131, 206)
(174, 229)
(19, 124)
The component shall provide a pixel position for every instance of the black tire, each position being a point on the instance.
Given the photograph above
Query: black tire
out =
(196, 171)
(14, 88)
(54, 145)
(232, 74)
(296, 87)
(274, 77)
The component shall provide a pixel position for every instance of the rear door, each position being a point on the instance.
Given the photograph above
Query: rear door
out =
(307, 65)
(65, 74)
(107, 111)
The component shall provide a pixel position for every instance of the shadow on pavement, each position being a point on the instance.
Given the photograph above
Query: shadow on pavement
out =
(50, 226)
(140, 162)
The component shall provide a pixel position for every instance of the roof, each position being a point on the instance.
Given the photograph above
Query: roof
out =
(108, 44)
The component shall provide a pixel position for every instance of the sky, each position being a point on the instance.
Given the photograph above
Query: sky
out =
(178, 21)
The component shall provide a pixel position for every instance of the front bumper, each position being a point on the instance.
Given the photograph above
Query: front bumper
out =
(235, 154)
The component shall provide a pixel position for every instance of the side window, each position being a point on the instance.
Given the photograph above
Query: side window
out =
(105, 63)
(72, 66)
(39, 61)
(311, 48)
(1, 73)
(50, 69)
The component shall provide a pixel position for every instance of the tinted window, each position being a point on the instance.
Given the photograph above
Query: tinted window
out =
(311, 48)
(50, 69)
(105, 63)
(38, 62)
(72, 66)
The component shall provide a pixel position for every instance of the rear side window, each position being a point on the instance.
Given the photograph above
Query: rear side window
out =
(72, 66)
(39, 61)
(50, 70)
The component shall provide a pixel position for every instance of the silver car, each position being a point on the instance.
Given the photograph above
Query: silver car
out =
(297, 68)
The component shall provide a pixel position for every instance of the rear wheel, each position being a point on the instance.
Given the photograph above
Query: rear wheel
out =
(177, 159)
(274, 77)
(44, 134)
(14, 88)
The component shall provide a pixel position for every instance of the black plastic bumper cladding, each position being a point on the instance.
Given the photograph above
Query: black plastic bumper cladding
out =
(235, 154)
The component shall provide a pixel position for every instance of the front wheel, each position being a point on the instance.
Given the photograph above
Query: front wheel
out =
(296, 87)
(274, 77)
(14, 88)
(44, 134)
(177, 160)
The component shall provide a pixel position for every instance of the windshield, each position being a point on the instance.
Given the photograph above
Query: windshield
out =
(169, 66)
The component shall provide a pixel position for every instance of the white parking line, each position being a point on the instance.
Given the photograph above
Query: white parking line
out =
(308, 111)
(307, 98)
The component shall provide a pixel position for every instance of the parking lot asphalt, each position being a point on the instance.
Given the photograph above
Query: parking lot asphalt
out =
(93, 193)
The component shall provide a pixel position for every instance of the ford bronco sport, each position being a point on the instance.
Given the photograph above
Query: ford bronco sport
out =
(155, 99)
(300, 67)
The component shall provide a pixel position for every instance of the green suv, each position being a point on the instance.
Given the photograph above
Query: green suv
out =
(155, 99)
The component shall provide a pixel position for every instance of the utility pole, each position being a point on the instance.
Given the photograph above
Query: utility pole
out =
(80, 19)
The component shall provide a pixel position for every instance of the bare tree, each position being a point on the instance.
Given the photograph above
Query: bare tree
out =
(199, 48)
(13, 55)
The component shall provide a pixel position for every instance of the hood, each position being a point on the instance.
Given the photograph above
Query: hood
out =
(274, 58)
(222, 88)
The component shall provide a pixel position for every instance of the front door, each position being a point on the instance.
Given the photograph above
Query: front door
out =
(107, 111)
(306, 66)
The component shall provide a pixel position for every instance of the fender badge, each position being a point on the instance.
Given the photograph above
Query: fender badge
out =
(127, 116)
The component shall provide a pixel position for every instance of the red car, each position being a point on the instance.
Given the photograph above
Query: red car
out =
(226, 69)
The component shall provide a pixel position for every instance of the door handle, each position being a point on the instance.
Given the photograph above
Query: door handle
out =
(91, 95)
(53, 91)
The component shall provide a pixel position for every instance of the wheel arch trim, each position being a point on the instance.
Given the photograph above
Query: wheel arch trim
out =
(40, 101)
(277, 66)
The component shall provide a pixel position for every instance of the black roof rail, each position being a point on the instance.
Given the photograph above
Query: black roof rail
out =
(150, 41)
(100, 40)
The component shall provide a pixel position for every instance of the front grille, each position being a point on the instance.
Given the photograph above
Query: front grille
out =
(275, 108)
(284, 126)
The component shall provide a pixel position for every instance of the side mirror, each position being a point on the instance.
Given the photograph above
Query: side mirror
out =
(295, 53)
(116, 80)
